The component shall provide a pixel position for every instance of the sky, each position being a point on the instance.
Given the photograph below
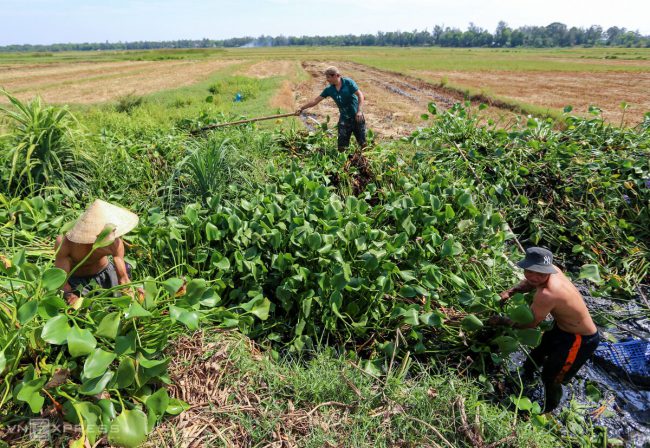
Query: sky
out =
(63, 21)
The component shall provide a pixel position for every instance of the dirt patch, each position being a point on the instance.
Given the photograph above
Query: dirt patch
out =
(394, 102)
(558, 89)
(92, 83)
(284, 98)
(268, 69)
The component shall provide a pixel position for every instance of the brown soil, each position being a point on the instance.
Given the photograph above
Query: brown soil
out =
(284, 98)
(558, 89)
(394, 102)
(91, 83)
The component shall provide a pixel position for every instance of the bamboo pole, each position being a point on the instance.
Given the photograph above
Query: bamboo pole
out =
(232, 123)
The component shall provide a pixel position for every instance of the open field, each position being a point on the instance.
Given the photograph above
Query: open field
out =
(532, 81)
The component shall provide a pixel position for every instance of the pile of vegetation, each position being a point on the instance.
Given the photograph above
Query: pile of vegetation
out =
(238, 232)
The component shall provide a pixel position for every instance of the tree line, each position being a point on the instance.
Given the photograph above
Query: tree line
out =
(553, 35)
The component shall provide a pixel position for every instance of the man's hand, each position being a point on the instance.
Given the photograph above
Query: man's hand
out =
(71, 298)
(505, 296)
(360, 118)
(298, 111)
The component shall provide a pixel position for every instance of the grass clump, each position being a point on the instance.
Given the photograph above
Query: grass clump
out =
(40, 149)
(126, 103)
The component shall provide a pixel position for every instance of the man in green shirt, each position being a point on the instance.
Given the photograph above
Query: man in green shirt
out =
(349, 100)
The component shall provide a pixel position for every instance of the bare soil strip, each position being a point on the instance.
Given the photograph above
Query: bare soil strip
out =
(394, 102)
(93, 83)
(558, 89)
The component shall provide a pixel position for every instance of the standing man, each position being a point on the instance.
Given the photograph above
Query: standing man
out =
(573, 338)
(349, 100)
(75, 254)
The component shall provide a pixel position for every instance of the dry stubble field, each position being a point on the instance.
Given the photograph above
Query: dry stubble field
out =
(398, 83)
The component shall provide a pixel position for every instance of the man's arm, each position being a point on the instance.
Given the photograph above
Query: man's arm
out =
(541, 307)
(361, 98)
(118, 261)
(312, 103)
(523, 286)
(63, 261)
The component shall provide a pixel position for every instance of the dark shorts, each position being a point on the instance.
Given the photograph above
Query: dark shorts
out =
(561, 354)
(105, 279)
(349, 127)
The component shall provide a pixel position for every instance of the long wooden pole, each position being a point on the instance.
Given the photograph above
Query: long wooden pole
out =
(219, 125)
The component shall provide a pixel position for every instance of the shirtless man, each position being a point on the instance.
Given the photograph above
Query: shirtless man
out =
(77, 244)
(573, 338)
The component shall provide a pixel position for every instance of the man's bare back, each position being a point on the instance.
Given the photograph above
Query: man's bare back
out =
(559, 297)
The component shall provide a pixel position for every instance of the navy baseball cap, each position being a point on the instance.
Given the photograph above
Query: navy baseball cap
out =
(539, 260)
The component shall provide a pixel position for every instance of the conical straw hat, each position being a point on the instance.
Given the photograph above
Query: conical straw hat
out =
(95, 218)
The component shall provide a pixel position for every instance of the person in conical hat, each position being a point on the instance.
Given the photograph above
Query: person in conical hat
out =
(73, 247)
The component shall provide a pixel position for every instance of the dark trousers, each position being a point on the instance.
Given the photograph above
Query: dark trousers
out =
(106, 278)
(560, 355)
(348, 127)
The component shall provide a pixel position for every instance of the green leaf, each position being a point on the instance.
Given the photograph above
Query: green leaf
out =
(176, 406)
(3, 362)
(129, 429)
(591, 272)
(592, 392)
(507, 344)
(108, 326)
(450, 248)
(432, 108)
(53, 278)
(471, 323)
(521, 314)
(92, 419)
(261, 307)
(172, 285)
(136, 310)
(27, 311)
(189, 318)
(158, 402)
(55, 331)
(97, 363)
(212, 232)
(433, 319)
(94, 386)
(314, 241)
(105, 237)
(523, 403)
(30, 394)
(125, 373)
(80, 342)
(529, 336)
(410, 317)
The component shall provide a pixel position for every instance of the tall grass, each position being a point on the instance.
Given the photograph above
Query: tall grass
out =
(40, 151)
(215, 167)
